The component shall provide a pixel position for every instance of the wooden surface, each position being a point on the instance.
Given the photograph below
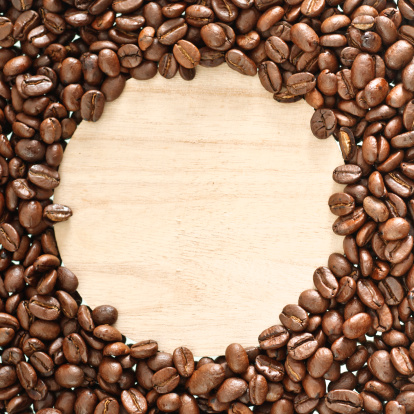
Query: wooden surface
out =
(200, 209)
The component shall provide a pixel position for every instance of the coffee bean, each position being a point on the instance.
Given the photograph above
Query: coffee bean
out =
(237, 358)
(26, 375)
(304, 37)
(270, 76)
(293, 317)
(341, 204)
(92, 105)
(323, 123)
(273, 337)
(44, 307)
(347, 174)
(301, 83)
(165, 380)
(205, 378)
(269, 368)
(325, 282)
(302, 346)
(172, 31)
(320, 362)
(231, 389)
(357, 325)
(344, 401)
(68, 376)
(186, 54)
(133, 401)
(9, 237)
(276, 49)
(238, 61)
(107, 333)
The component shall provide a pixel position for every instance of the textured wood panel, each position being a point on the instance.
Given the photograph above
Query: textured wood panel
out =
(200, 209)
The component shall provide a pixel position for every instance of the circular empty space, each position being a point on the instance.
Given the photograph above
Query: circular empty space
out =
(200, 209)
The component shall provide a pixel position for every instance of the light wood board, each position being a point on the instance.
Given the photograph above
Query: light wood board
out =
(200, 209)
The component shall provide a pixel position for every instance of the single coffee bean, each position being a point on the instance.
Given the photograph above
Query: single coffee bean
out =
(302, 346)
(269, 368)
(323, 123)
(274, 337)
(379, 363)
(293, 317)
(187, 54)
(57, 212)
(238, 61)
(276, 49)
(172, 31)
(184, 361)
(341, 204)
(258, 389)
(165, 380)
(68, 376)
(301, 83)
(347, 174)
(357, 325)
(205, 378)
(270, 76)
(26, 375)
(44, 177)
(304, 37)
(320, 362)
(231, 389)
(325, 282)
(344, 401)
(133, 401)
(376, 209)
(92, 105)
(237, 358)
(44, 307)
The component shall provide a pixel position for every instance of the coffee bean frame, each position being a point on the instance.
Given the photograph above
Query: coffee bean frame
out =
(353, 63)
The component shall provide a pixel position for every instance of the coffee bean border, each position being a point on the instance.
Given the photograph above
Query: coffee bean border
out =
(352, 61)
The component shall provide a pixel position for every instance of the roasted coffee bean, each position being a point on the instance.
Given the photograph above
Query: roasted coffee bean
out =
(347, 174)
(276, 49)
(236, 357)
(165, 380)
(293, 317)
(187, 54)
(301, 83)
(133, 401)
(68, 376)
(344, 401)
(218, 36)
(269, 368)
(273, 337)
(205, 378)
(231, 389)
(270, 76)
(341, 204)
(184, 361)
(238, 61)
(304, 37)
(92, 105)
(325, 282)
(26, 375)
(44, 307)
(323, 123)
(302, 346)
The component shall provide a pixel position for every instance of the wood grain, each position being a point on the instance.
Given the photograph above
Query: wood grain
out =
(200, 209)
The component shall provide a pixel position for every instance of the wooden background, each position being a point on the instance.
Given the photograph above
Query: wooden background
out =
(200, 209)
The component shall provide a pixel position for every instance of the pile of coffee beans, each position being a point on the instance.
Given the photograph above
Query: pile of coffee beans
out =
(347, 345)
